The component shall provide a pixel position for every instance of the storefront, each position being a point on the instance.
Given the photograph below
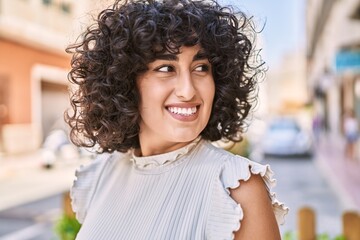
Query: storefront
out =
(348, 69)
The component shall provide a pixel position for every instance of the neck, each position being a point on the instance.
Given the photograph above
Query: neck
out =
(156, 149)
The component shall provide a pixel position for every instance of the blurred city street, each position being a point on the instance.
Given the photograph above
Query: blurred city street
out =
(328, 183)
(299, 184)
(311, 49)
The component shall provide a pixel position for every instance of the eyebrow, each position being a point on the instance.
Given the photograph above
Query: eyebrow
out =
(200, 55)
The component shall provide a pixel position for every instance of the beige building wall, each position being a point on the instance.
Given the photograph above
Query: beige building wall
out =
(288, 93)
(287, 84)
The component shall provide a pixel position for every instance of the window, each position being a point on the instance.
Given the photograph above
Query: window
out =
(47, 2)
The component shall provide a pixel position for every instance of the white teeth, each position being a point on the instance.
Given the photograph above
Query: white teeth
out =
(183, 111)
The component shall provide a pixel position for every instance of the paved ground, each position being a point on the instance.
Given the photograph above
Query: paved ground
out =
(300, 184)
(23, 179)
(341, 173)
(32, 221)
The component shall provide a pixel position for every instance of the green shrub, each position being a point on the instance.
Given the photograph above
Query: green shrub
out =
(290, 235)
(239, 148)
(67, 227)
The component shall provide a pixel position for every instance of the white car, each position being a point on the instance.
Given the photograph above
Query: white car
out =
(57, 146)
(285, 137)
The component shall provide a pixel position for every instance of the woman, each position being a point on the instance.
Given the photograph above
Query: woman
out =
(351, 132)
(157, 81)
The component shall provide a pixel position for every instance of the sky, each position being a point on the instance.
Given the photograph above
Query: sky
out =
(284, 21)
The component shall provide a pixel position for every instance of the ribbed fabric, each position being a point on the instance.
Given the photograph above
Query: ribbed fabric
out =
(185, 197)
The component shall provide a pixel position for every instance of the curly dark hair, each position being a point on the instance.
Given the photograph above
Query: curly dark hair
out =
(128, 36)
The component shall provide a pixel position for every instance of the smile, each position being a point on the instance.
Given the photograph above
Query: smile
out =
(183, 111)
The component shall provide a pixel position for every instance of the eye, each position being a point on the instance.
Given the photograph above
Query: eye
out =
(202, 68)
(165, 68)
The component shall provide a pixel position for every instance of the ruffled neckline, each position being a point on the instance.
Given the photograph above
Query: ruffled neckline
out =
(162, 160)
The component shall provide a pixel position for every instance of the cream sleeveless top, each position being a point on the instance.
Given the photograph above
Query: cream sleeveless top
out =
(182, 194)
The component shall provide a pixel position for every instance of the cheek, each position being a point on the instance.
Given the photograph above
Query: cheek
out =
(152, 99)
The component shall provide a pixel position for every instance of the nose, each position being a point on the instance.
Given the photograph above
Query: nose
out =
(185, 89)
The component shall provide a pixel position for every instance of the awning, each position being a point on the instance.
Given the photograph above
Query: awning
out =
(348, 60)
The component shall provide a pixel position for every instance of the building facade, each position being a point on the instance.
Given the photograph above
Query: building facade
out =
(34, 67)
(333, 59)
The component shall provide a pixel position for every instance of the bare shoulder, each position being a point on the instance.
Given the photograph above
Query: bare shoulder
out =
(259, 220)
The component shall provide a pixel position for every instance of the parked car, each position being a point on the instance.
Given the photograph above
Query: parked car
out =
(57, 146)
(285, 137)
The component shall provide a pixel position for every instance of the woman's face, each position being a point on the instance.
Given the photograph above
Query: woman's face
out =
(177, 93)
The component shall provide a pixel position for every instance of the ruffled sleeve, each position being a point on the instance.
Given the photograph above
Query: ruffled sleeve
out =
(225, 214)
(85, 185)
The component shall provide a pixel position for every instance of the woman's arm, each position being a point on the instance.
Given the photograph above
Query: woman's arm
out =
(259, 221)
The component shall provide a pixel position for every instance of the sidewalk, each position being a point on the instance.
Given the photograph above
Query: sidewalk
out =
(342, 174)
(23, 178)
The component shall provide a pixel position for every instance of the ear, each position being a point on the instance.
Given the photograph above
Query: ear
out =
(171, 2)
